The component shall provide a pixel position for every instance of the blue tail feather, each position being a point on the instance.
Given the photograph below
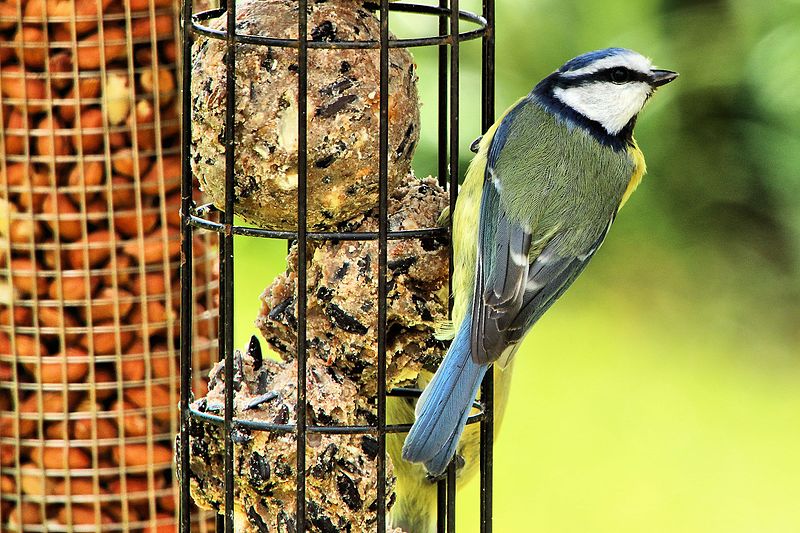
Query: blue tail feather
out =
(444, 406)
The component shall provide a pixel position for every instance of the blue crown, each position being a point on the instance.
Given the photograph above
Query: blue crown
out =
(588, 58)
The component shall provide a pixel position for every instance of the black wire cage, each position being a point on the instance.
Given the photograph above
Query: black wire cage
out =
(198, 218)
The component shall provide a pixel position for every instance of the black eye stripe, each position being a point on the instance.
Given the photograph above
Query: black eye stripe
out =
(601, 75)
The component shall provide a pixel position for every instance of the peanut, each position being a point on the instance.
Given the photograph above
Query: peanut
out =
(104, 339)
(163, 24)
(73, 285)
(70, 367)
(31, 46)
(122, 271)
(108, 301)
(24, 231)
(81, 515)
(122, 193)
(90, 136)
(78, 486)
(166, 84)
(60, 458)
(142, 120)
(82, 429)
(127, 222)
(85, 176)
(166, 523)
(25, 277)
(25, 514)
(173, 202)
(55, 318)
(153, 247)
(64, 218)
(135, 424)
(30, 198)
(23, 316)
(33, 482)
(52, 141)
(29, 91)
(60, 66)
(158, 402)
(90, 55)
(98, 246)
(172, 176)
(136, 455)
(16, 128)
(103, 378)
(123, 163)
(118, 98)
(132, 368)
(79, 97)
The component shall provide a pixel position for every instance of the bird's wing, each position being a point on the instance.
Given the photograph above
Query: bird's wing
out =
(514, 285)
(510, 296)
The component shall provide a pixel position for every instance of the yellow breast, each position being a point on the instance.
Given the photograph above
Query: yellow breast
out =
(639, 169)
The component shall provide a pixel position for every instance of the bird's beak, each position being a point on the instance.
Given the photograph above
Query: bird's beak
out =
(660, 77)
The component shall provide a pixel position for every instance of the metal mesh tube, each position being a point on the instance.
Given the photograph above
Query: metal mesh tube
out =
(196, 218)
(89, 254)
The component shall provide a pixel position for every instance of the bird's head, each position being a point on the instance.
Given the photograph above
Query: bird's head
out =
(607, 87)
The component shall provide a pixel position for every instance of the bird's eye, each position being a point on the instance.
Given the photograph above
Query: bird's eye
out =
(620, 75)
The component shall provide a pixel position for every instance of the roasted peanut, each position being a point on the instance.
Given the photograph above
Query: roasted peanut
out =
(60, 458)
(104, 337)
(73, 285)
(133, 366)
(52, 140)
(25, 514)
(98, 246)
(90, 136)
(108, 301)
(70, 367)
(23, 316)
(171, 172)
(134, 424)
(90, 55)
(165, 81)
(77, 486)
(17, 125)
(123, 194)
(64, 218)
(127, 222)
(105, 381)
(33, 482)
(26, 278)
(136, 455)
(85, 176)
(81, 515)
(57, 318)
(22, 90)
(123, 163)
(31, 46)
(158, 401)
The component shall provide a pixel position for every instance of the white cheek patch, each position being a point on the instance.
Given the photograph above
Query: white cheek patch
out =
(610, 104)
(631, 61)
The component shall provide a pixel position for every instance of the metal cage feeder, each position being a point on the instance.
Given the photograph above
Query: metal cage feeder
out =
(195, 218)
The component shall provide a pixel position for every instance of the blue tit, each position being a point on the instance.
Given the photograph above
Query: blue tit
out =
(547, 182)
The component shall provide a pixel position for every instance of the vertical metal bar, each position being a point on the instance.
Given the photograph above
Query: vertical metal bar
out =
(441, 506)
(186, 267)
(453, 188)
(487, 387)
(226, 277)
(302, 175)
(441, 488)
(383, 222)
(442, 100)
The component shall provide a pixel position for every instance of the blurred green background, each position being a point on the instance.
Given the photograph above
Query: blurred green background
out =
(662, 393)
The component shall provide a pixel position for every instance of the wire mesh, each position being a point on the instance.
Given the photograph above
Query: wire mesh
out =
(196, 217)
(89, 254)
